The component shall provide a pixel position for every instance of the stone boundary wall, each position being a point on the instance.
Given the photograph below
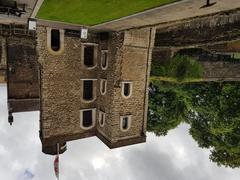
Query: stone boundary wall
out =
(221, 27)
(213, 70)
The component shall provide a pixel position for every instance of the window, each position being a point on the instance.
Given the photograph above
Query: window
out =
(87, 118)
(88, 90)
(104, 59)
(89, 56)
(126, 89)
(103, 86)
(125, 122)
(101, 118)
(55, 40)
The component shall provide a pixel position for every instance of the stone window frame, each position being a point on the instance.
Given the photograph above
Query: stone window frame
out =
(93, 120)
(129, 122)
(94, 90)
(101, 86)
(100, 113)
(122, 89)
(95, 55)
(102, 53)
(61, 49)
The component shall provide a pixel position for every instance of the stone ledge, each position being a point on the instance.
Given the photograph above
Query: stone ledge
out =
(65, 138)
(121, 143)
(24, 105)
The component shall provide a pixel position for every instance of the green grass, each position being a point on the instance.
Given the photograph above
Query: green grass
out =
(175, 80)
(92, 12)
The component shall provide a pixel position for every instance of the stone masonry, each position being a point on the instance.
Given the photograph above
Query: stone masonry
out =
(3, 59)
(61, 87)
(23, 80)
(214, 70)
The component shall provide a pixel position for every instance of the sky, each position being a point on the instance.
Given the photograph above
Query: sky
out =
(172, 157)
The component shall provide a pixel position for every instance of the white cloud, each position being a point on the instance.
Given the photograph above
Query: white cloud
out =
(173, 157)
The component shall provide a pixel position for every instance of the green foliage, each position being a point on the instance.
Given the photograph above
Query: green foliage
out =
(158, 70)
(180, 68)
(212, 110)
(168, 107)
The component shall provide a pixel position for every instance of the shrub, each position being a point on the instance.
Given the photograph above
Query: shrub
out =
(180, 68)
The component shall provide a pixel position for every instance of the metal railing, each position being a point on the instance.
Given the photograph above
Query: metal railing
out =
(16, 29)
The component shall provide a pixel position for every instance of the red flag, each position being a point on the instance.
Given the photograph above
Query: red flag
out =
(56, 166)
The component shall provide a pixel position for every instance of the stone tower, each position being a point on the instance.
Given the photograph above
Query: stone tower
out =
(94, 87)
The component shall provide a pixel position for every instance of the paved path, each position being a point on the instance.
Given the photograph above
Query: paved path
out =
(172, 12)
(36, 8)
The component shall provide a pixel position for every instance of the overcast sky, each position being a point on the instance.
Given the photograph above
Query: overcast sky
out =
(173, 157)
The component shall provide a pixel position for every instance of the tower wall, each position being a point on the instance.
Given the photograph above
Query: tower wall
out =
(130, 56)
(61, 88)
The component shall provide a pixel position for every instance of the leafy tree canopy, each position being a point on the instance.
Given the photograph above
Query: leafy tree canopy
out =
(212, 110)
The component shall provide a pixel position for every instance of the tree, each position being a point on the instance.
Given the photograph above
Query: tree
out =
(211, 109)
(216, 124)
(168, 107)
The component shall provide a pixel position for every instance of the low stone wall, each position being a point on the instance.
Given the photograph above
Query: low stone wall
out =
(221, 70)
(213, 70)
(216, 28)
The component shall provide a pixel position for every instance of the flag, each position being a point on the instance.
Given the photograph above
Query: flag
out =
(56, 166)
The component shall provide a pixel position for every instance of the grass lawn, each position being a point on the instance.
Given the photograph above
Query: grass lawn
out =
(174, 80)
(92, 12)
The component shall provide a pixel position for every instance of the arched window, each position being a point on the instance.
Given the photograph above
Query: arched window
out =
(87, 118)
(127, 89)
(101, 118)
(55, 39)
(125, 122)
(103, 86)
(104, 59)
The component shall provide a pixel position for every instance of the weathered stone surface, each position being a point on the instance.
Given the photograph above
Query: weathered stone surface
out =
(3, 60)
(61, 87)
(215, 69)
(221, 70)
(23, 74)
(202, 30)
